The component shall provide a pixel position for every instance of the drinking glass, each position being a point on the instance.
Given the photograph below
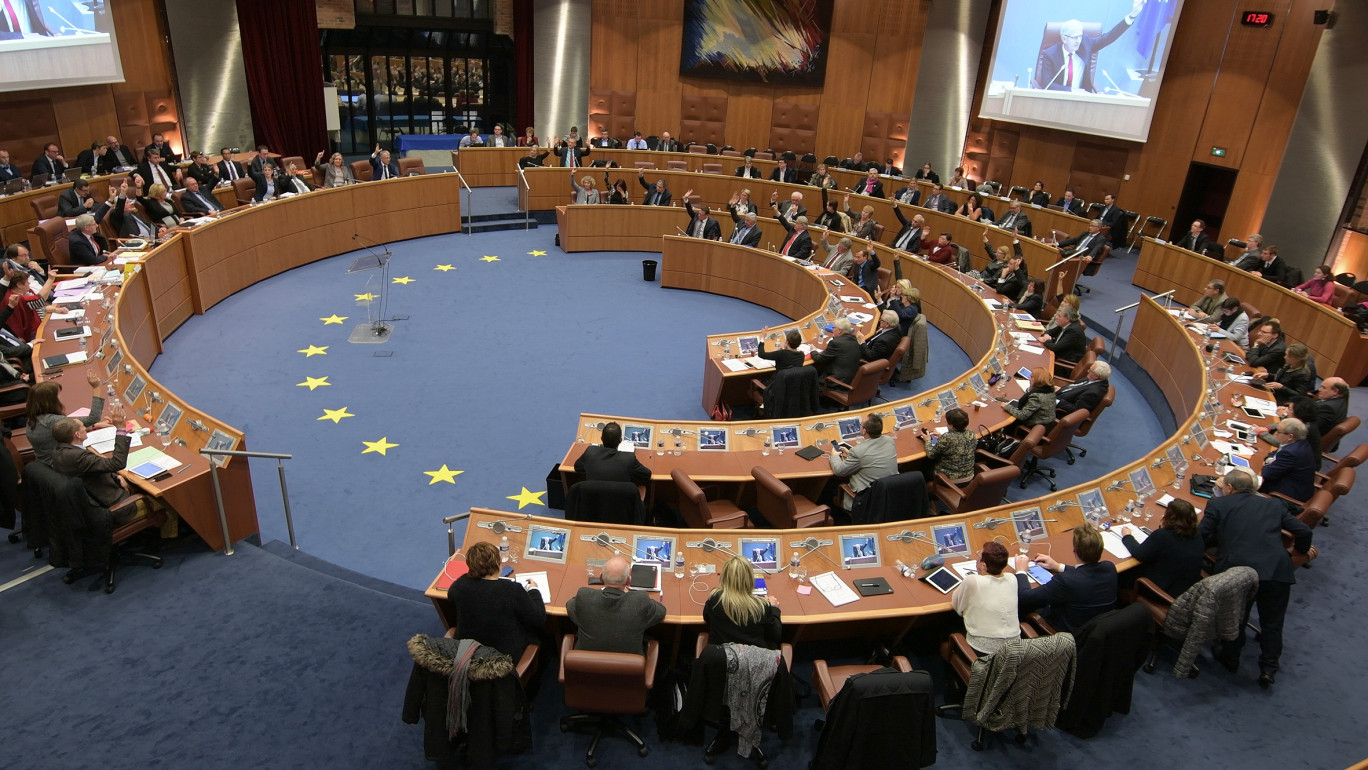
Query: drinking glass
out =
(164, 433)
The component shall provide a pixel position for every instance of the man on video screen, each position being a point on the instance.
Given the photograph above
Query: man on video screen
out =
(1067, 64)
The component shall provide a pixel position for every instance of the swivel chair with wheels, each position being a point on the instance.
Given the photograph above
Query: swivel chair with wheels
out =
(606, 685)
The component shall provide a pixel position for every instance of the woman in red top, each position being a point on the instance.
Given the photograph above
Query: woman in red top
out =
(529, 139)
(26, 315)
(1321, 287)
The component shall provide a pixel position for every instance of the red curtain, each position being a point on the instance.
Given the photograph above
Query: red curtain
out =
(284, 67)
(522, 69)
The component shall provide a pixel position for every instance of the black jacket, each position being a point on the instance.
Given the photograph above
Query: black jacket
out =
(1084, 394)
(601, 463)
(1172, 561)
(1111, 648)
(497, 718)
(880, 720)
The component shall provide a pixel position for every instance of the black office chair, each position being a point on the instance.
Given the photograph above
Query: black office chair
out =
(609, 502)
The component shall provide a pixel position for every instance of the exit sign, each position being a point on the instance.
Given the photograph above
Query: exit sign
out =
(1218, 152)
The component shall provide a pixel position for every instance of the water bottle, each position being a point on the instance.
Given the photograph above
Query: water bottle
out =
(904, 570)
(109, 389)
(679, 564)
(503, 549)
(794, 564)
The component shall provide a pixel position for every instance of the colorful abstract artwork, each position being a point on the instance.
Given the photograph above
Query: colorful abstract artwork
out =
(783, 42)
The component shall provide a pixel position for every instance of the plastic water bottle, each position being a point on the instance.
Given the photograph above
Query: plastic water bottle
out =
(903, 569)
(503, 549)
(679, 564)
(794, 564)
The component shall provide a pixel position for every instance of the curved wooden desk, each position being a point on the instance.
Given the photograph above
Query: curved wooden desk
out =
(197, 268)
(1334, 340)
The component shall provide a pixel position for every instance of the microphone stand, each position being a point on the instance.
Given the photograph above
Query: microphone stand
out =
(379, 328)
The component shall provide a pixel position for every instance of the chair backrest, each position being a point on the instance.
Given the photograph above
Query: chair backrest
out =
(610, 502)
(44, 206)
(176, 201)
(963, 261)
(1340, 482)
(298, 162)
(699, 148)
(774, 498)
(642, 165)
(987, 488)
(1252, 312)
(732, 153)
(1098, 345)
(50, 238)
(1027, 446)
(1059, 438)
(1315, 508)
(1342, 293)
(866, 384)
(893, 498)
(362, 171)
(677, 165)
(1353, 459)
(1097, 411)
(895, 358)
(1017, 192)
(712, 168)
(244, 189)
(1342, 428)
(1080, 369)
(885, 277)
(606, 682)
(409, 165)
(1096, 264)
(693, 504)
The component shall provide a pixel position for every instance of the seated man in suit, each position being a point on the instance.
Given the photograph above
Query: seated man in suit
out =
(701, 223)
(938, 200)
(607, 463)
(155, 170)
(1114, 218)
(1067, 340)
(1087, 393)
(382, 167)
(657, 194)
(1268, 345)
(128, 223)
(50, 162)
(1196, 238)
(888, 169)
(866, 462)
(229, 169)
(99, 474)
(883, 341)
(841, 358)
(667, 144)
(1015, 220)
(471, 139)
(76, 200)
(1076, 594)
(85, 245)
(926, 173)
(1245, 529)
(748, 169)
(201, 170)
(89, 161)
(500, 139)
(798, 242)
(606, 142)
(910, 236)
(1067, 65)
(163, 149)
(864, 274)
(8, 170)
(786, 357)
(1291, 468)
(839, 257)
(195, 202)
(1271, 267)
(747, 232)
(293, 180)
(1249, 258)
(1087, 245)
(790, 209)
(116, 155)
(855, 163)
(614, 619)
(908, 195)
(1207, 309)
(1070, 204)
(636, 142)
(782, 173)
(1332, 405)
(871, 185)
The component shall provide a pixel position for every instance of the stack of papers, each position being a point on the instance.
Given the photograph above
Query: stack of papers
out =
(523, 578)
(102, 440)
(150, 462)
(734, 364)
(756, 362)
(834, 589)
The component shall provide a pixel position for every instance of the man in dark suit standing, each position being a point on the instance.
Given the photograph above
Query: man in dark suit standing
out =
(99, 474)
(909, 237)
(50, 162)
(884, 341)
(1196, 239)
(229, 169)
(701, 223)
(748, 170)
(798, 242)
(657, 194)
(782, 173)
(195, 202)
(871, 185)
(1087, 393)
(1076, 594)
(570, 152)
(1067, 65)
(747, 232)
(841, 359)
(1067, 340)
(606, 463)
(614, 619)
(21, 17)
(1246, 530)
(1070, 204)
(1114, 218)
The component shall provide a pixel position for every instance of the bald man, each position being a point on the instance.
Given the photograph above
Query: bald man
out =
(1067, 64)
(614, 619)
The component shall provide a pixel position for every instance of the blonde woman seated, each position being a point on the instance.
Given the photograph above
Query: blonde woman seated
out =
(334, 173)
(1037, 405)
(862, 226)
(159, 209)
(733, 613)
(586, 190)
(822, 179)
(988, 602)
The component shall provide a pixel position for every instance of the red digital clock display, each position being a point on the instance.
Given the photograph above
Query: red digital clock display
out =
(1257, 19)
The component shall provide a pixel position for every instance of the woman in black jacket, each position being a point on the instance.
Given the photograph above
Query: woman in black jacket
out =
(495, 612)
(735, 614)
(1033, 301)
(1172, 555)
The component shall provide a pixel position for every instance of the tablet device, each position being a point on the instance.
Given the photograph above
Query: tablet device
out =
(1039, 574)
(1237, 461)
(1252, 412)
(760, 588)
(875, 586)
(1024, 373)
(943, 579)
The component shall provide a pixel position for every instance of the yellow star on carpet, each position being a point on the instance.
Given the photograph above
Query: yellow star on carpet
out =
(314, 382)
(336, 415)
(445, 268)
(314, 350)
(527, 497)
(444, 474)
(378, 446)
(488, 258)
(334, 319)
(403, 281)
(536, 253)
(367, 297)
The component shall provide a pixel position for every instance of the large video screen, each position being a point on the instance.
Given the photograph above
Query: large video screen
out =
(55, 43)
(1091, 66)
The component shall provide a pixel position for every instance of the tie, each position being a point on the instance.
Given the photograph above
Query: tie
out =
(903, 240)
(698, 228)
(160, 175)
(1069, 82)
(145, 228)
(11, 17)
(384, 171)
(788, 243)
(739, 235)
(232, 170)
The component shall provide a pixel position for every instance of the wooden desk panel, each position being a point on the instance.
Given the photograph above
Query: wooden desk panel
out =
(490, 166)
(1334, 340)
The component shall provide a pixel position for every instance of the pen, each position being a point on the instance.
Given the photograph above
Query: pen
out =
(183, 468)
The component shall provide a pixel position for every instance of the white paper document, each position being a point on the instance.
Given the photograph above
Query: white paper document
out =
(834, 589)
(1032, 349)
(523, 578)
(735, 364)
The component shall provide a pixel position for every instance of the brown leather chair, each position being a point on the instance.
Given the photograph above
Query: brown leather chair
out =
(1351, 460)
(700, 148)
(732, 153)
(712, 168)
(44, 206)
(764, 156)
(1076, 370)
(865, 385)
(1332, 437)
(782, 508)
(244, 189)
(176, 201)
(1253, 313)
(643, 165)
(1055, 442)
(298, 162)
(700, 513)
(527, 664)
(1018, 457)
(895, 358)
(1092, 269)
(828, 680)
(408, 165)
(676, 165)
(1087, 425)
(984, 490)
(49, 240)
(606, 685)
(885, 278)
(362, 170)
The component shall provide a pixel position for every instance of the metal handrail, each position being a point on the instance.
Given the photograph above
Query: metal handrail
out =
(527, 211)
(466, 210)
(218, 491)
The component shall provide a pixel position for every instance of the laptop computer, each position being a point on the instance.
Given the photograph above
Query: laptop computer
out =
(41, 179)
(72, 174)
(14, 186)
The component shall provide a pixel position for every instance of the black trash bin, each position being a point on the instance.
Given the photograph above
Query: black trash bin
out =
(648, 268)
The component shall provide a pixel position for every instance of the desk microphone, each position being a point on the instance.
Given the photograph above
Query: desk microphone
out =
(1057, 74)
(1113, 82)
(813, 545)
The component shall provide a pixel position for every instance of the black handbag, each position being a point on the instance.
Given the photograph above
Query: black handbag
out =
(999, 444)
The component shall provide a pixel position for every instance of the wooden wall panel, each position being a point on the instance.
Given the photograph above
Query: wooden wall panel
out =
(1235, 95)
(1046, 156)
